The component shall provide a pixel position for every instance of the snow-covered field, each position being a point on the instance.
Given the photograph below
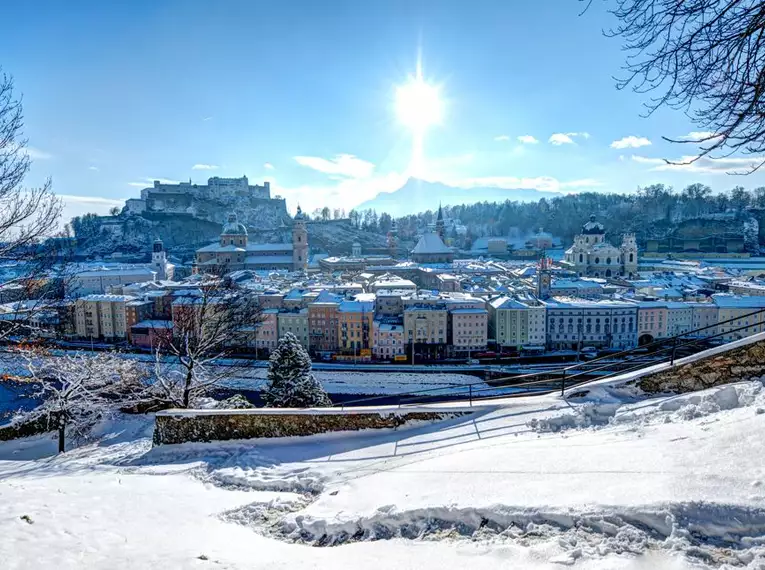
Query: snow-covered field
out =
(609, 481)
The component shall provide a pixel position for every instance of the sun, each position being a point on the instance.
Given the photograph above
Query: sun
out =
(419, 104)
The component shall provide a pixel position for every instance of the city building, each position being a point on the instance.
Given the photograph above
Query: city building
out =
(323, 323)
(392, 282)
(652, 321)
(234, 252)
(159, 263)
(388, 339)
(102, 317)
(592, 256)
(99, 280)
(267, 331)
(516, 324)
(294, 321)
(573, 323)
(355, 328)
(148, 334)
(679, 318)
(469, 328)
(705, 317)
(430, 248)
(425, 329)
(742, 314)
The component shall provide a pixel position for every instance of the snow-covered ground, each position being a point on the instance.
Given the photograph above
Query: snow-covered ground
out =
(609, 481)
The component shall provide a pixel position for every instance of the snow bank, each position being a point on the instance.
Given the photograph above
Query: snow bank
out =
(601, 412)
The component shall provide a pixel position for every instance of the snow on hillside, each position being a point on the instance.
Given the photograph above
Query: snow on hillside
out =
(612, 480)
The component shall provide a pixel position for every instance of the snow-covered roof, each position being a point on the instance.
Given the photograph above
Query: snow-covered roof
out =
(469, 311)
(109, 298)
(430, 243)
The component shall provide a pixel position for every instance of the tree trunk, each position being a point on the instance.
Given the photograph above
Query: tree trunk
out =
(187, 389)
(61, 438)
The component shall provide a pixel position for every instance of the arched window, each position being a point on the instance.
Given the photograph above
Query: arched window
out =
(597, 260)
(631, 257)
(581, 258)
(608, 261)
(587, 239)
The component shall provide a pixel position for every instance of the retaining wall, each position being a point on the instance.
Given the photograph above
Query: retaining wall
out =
(179, 426)
(742, 362)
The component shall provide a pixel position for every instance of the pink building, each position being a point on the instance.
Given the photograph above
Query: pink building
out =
(469, 329)
(387, 340)
(144, 334)
(652, 321)
(266, 333)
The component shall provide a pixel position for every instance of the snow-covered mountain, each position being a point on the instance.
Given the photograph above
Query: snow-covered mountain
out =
(419, 195)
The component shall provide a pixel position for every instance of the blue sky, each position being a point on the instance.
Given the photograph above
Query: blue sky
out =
(301, 93)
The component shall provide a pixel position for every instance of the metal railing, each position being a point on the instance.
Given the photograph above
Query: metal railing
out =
(559, 379)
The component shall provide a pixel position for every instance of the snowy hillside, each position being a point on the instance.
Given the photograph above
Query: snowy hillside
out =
(611, 480)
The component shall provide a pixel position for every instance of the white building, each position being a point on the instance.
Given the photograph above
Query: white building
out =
(593, 256)
(387, 340)
(515, 323)
(573, 323)
(746, 316)
(98, 281)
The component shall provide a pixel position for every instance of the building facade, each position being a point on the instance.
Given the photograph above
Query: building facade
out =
(469, 330)
(575, 323)
(388, 340)
(295, 321)
(234, 252)
(592, 256)
(102, 317)
(514, 323)
(425, 327)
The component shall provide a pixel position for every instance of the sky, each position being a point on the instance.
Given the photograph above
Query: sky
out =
(303, 93)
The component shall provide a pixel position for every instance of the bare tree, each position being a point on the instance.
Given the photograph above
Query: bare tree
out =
(206, 328)
(27, 215)
(78, 390)
(28, 218)
(705, 57)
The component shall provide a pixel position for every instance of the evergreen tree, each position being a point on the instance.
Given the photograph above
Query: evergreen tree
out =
(291, 384)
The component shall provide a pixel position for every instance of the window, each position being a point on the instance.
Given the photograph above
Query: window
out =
(581, 258)
(597, 260)
(608, 261)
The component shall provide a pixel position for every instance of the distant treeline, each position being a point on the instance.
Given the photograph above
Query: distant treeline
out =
(651, 211)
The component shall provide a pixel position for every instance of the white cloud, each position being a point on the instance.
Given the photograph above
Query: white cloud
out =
(630, 141)
(345, 165)
(502, 138)
(268, 166)
(696, 136)
(346, 193)
(205, 167)
(94, 168)
(704, 165)
(150, 182)
(207, 118)
(560, 138)
(37, 154)
(527, 139)
(78, 205)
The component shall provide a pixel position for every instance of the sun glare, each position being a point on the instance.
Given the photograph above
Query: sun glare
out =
(418, 104)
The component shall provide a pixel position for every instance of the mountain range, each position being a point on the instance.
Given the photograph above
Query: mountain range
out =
(419, 195)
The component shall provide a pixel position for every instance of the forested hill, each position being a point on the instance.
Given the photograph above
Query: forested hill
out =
(650, 212)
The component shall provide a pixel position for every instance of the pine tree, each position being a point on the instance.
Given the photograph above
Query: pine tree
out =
(291, 384)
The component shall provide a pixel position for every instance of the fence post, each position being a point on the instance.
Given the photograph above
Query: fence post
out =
(563, 382)
(470, 386)
(674, 347)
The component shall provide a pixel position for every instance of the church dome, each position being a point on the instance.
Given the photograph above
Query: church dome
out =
(593, 227)
(299, 214)
(233, 227)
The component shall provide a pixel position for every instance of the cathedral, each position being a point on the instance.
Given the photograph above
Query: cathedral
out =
(592, 256)
(234, 252)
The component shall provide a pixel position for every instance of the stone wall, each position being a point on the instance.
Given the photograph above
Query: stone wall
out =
(740, 363)
(179, 426)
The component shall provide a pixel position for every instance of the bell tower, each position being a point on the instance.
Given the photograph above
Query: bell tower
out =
(159, 259)
(299, 242)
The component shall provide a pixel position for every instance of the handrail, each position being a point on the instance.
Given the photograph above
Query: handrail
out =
(478, 387)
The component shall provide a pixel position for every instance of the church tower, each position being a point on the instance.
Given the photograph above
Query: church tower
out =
(159, 259)
(544, 282)
(629, 253)
(299, 242)
(440, 223)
